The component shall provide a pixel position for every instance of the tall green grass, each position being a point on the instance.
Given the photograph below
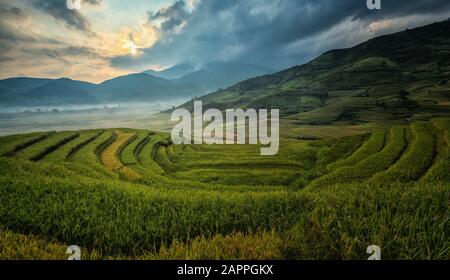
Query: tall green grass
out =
(406, 220)
(161, 158)
(66, 150)
(440, 171)
(11, 145)
(145, 155)
(86, 160)
(416, 161)
(122, 218)
(129, 154)
(110, 156)
(15, 246)
(372, 146)
(371, 165)
(40, 149)
(58, 145)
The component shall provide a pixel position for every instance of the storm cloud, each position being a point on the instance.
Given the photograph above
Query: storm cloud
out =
(275, 33)
(172, 16)
(58, 10)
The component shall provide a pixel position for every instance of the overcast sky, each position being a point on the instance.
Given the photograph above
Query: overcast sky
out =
(107, 38)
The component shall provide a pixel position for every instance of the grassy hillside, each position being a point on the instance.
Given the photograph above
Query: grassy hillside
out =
(131, 194)
(371, 82)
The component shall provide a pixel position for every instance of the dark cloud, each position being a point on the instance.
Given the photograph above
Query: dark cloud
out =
(64, 54)
(8, 12)
(9, 33)
(172, 16)
(12, 36)
(5, 59)
(276, 33)
(93, 2)
(72, 18)
(16, 39)
(78, 51)
(53, 54)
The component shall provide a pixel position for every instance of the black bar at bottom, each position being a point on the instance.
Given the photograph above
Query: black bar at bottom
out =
(225, 269)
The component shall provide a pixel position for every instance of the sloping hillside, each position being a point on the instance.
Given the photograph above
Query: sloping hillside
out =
(391, 77)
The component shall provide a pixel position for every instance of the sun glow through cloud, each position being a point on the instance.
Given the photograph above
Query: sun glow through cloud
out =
(130, 41)
(133, 48)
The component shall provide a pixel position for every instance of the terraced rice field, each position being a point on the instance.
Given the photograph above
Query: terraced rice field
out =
(132, 194)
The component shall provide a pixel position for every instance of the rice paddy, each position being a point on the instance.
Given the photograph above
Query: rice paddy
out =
(132, 194)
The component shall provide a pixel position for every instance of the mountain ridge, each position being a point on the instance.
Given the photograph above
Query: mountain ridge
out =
(370, 81)
(135, 87)
(174, 72)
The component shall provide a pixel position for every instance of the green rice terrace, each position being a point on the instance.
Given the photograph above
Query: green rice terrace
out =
(132, 194)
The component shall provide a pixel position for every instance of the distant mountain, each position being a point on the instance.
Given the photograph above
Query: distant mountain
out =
(63, 91)
(156, 86)
(171, 73)
(32, 92)
(140, 87)
(212, 76)
(21, 85)
(11, 89)
(394, 77)
(143, 87)
(219, 75)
